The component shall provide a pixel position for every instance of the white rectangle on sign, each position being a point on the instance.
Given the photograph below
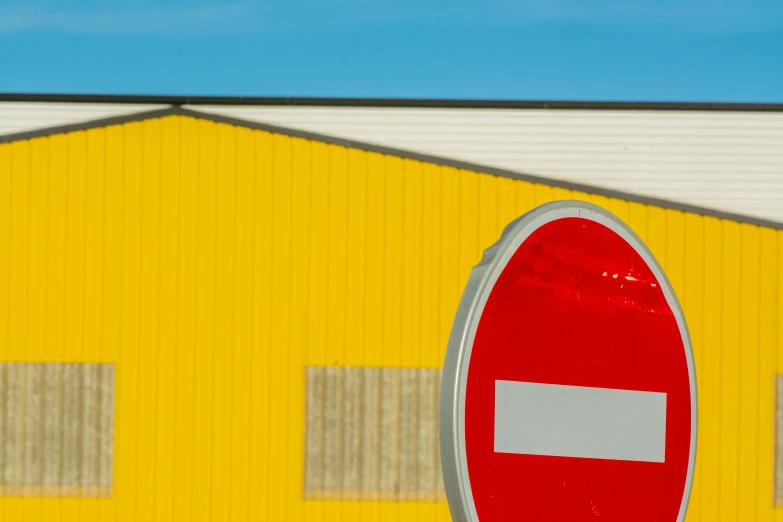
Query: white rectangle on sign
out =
(575, 421)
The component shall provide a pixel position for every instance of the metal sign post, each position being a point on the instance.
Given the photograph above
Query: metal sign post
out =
(569, 389)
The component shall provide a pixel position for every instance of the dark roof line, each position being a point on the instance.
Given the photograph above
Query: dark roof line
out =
(437, 160)
(90, 124)
(393, 102)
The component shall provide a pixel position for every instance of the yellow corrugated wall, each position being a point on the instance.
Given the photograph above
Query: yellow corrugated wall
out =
(211, 263)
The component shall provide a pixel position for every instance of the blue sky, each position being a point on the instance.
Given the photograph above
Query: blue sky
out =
(665, 50)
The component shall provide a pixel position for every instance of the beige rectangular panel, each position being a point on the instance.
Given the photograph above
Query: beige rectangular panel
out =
(370, 426)
(372, 434)
(389, 443)
(56, 429)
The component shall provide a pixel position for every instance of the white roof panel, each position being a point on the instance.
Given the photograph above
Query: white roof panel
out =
(727, 161)
(19, 117)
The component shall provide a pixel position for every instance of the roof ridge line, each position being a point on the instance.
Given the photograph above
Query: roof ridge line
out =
(104, 121)
(453, 103)
(391, 151)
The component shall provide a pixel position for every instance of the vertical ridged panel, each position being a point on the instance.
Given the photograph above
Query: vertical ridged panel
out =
(767, 367)
(779, 440)
(212, 264)
(356, 414)
(694, 305)
(70, 457)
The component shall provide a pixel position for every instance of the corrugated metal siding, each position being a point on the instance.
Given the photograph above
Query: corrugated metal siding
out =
(732, 162)
(779, 441)
(212, 264)
(16, 117)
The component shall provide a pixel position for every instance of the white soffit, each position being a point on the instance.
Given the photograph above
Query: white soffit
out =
(19, 117)
(726, 161)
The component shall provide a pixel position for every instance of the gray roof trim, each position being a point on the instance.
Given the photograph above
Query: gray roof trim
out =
(89, 124)
(176, 110)
(393, 102)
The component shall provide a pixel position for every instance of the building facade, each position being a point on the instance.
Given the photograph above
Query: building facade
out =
(239, 312)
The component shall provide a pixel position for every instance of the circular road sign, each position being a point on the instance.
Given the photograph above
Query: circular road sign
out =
(569, 389)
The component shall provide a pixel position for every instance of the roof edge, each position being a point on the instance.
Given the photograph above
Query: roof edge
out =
(391, 151)
(89, 124)
(484, 169)
(393, 102)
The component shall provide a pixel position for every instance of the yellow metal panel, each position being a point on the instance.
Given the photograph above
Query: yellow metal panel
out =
(376, 263)
(413, 202)
(299, 180)
(185, 378)
(374, 289)
(392, 303)
(356, 231)
(374, 285)
(38, 259)
(204, 337)
(149, 315)
(749, 373)
(212, 263)
(335, 259)
(559, 193)
(451, 283)
(543, 194)
(411, 314)
(75, 275)
(728, 453)
(356, 255)
(241, 368)
(674, 233)
(280, 335)
(128, 372)
(432, 260)
(525, 196)
(778, 320)
(15, 200)
(487, 219)
(334, 163)
(431, 281)
(166, 359)
(18, 276)
(691, 253)
(708, 445)
(468, 231)
(506, 204)
(317, 195)
(391, 341)
(638, 219)
(767, 363)
(261, 276)
(39, 206)
(225, 284)
(94, 231)
(619, 207)
(656, 236)
(6, 163)
(19, 246)
(112, 296)
(450, 280)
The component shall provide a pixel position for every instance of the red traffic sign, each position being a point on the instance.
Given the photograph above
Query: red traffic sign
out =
(569, 390)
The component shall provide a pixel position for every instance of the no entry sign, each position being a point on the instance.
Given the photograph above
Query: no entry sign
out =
(569, 389)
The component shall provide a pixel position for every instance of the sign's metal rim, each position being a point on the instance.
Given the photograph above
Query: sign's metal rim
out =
(480, 283)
